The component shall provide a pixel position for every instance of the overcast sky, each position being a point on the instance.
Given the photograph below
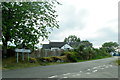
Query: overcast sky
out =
(92, 20)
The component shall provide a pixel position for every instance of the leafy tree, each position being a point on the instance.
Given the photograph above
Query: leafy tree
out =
(110, 46)
(86, 43)
(72, 38)
(26, 22)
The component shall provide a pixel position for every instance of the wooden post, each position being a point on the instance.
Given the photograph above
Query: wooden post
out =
(28, 56)
(17, 57)
(23, 56)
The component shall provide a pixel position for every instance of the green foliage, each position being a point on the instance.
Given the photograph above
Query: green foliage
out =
(101, 53)
(71, 56)
(32, 60)
(87, 53)
(110, 46)
(26, 22)
(118, 62)
(53, 59)
(46, 59)
(72, 38)
(86, 43)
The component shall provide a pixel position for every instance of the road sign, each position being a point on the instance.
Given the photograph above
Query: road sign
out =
(23, 50)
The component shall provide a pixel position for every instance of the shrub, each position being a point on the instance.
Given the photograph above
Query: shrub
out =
(71, 56)
(60, 58)
(46, 59)
(56, 58)
(32, 60)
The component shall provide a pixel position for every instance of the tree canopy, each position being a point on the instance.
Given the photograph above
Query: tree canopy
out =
(110, 46)
(72, 38)
(26, 22)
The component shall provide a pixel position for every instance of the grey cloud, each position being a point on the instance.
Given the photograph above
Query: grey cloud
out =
(70, 19)
(109, 35)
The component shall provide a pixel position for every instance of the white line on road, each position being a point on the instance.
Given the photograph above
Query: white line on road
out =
(94, 67)
(88, 69)
(95, 71)
(87, 73)
(65, 77)
(80, 71)
(67, 74)
(52, 76)
(78, 74)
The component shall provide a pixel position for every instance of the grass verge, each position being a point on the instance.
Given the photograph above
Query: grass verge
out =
(117, 62)
(10, 63)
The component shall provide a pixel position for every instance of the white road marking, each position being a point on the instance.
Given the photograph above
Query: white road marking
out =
(67, 74)
(87, 73)
(88, 69)
(102, 68)
(73, 75)
(80, 71)
(78, 74)
(94, 67)
(110, 65)
(65, 77)
(99, 66)
(106, 67)
(52, 76)
(95, 71)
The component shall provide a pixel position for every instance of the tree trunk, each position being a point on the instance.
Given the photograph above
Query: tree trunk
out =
(4, 49)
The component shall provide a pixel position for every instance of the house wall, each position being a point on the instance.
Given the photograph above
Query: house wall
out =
(66, 46)
(55, 48)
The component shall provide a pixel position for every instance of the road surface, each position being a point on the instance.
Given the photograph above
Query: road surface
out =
(102, 68)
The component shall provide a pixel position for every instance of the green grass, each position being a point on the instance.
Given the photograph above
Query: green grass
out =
(118, 62)
(10, 63)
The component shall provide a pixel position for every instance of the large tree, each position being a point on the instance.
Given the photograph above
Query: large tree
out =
(26, 22)
(72, 38)
(110, 46)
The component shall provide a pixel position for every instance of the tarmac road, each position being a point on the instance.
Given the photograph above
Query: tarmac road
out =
(102, 68)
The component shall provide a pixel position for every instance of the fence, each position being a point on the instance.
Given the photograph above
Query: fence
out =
(46, 53)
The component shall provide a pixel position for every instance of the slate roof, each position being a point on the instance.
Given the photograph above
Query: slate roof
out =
(60, 44)
(54, 45)
(57, 44)
(46, 46)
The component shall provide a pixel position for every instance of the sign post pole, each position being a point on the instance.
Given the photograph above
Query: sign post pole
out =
(23, 56)
(17, 57)
(28, 56)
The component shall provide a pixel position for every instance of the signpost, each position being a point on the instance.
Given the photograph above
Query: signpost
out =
(22, 51)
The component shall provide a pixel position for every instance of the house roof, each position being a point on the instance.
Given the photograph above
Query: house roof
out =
(60, 44)
(46, 46)
(57, 44)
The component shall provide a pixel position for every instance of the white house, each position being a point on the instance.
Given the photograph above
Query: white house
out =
(57, 45)
(66, 46)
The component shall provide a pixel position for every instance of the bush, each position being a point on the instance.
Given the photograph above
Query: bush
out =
(71, 56)
(59, 58)
(32, 60)
(46, 59)
(56, 58)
